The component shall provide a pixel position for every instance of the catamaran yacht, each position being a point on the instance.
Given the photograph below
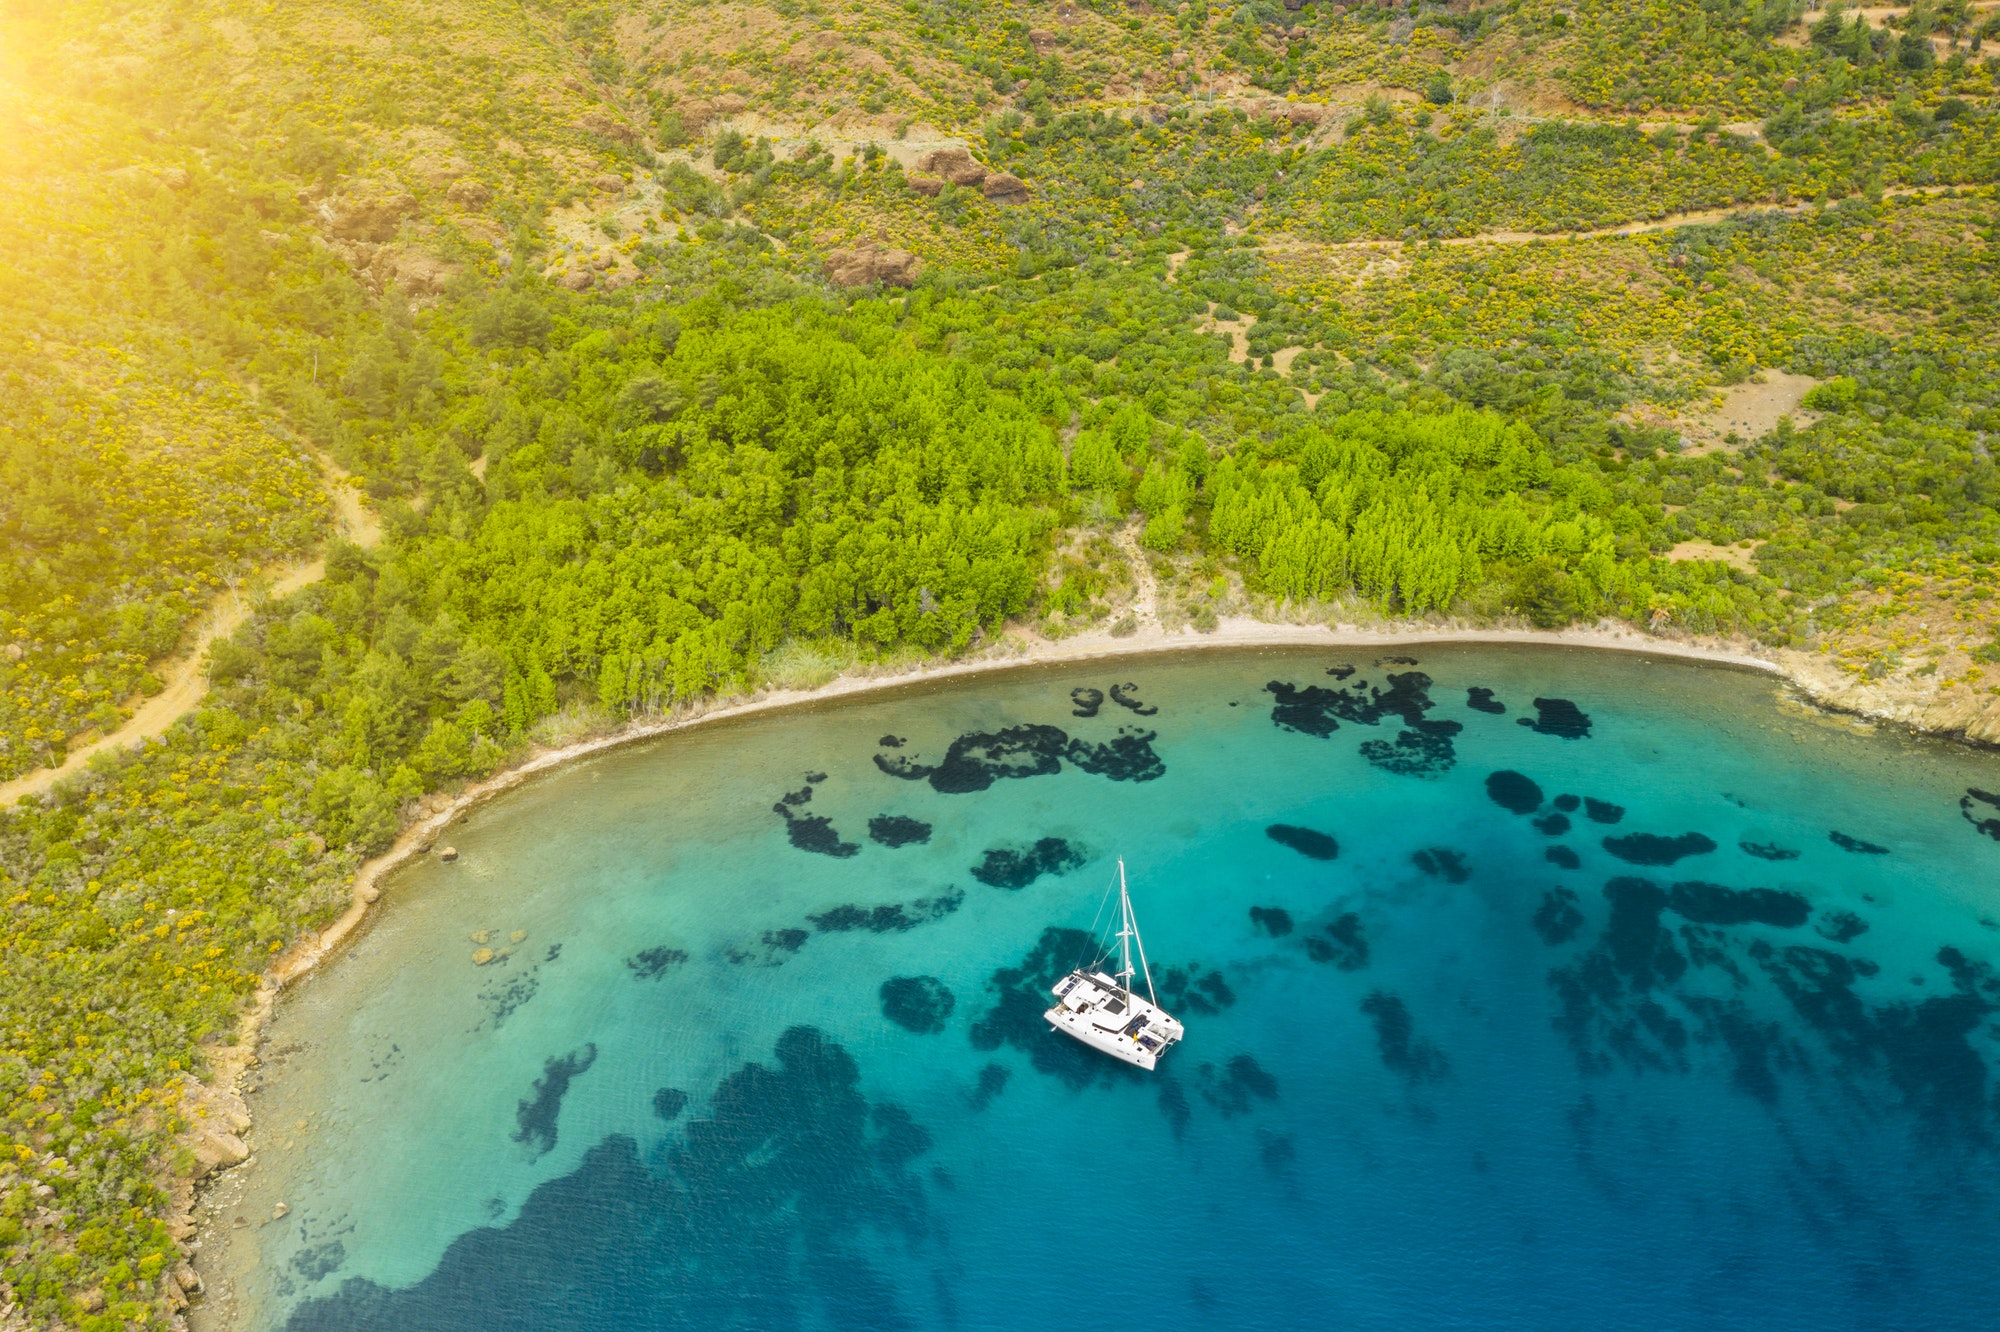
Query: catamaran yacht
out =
(1104, 1012)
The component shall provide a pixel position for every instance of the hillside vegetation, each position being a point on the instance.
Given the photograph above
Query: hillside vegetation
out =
(685, 348)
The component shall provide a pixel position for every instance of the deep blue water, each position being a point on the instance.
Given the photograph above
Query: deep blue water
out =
(1653, 1004)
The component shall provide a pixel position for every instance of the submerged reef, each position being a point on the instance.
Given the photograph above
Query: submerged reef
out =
(1015, 868)
(1308, 842)
(917, 1003)
(1558, 717)
(976, 760)
(535, 1118)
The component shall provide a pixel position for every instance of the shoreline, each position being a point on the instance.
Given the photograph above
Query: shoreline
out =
(215, 1109)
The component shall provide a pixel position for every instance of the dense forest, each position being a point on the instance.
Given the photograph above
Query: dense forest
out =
(659, 402)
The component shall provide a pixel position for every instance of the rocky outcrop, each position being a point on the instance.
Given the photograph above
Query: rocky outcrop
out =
(468, 194)
(928, 186)
(604, 127)
(952, 164)
(1912, 701)
(1003, 187)
(366, 215)
(414, 272)
(871, 265)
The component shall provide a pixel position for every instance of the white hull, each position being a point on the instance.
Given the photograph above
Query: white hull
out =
(1095, 1009)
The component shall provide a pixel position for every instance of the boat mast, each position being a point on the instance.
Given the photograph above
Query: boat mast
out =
(1125, 930)
(1128, 935)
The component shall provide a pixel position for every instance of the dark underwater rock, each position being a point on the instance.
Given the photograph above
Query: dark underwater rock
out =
(978, 759)
(652, 963)
(917, 1003)
(1480, 699)
(1231, 1088)
(771, 1210)
(1552, 824)
(1425, 750)
(1713, 904)
(1343, 943)
(1514, 792)
(894, 918)
(1274, 921)
(1558, 918)
(1127, 758)
(1085, 701)
(1653, 849)
(1602, 811)
(1558, 717)
(1308, 842)
(1318, 711)
(894, 830)
(1766, 851)
(1006, 867)
(1191, 989)
(668, 1102)
(992, 1081)
(1566, 804)
(535, 1117)
(1563, 856)
(1983, 822)
(811, 832)
(1396, 1038)
(1841, 926)
(1856, 845)
(1124, 695)
(777, 945)
(1441, 862)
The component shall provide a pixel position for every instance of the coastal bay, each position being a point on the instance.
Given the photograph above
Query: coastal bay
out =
(1442, 1046)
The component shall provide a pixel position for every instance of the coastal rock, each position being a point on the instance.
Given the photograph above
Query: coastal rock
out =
(481, 956)
(447, 853)
(218, 1150)
(369, 893)
(867, 265)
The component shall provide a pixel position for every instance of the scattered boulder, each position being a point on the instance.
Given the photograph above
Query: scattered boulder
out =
(447, 853)
(1003, 187)
(928, 186)
(580, 280)
(953, 164)
(217, 1149)
(468, 194)
(868, 265)
(481, 956)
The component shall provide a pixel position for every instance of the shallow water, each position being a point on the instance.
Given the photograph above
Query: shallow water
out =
(1479, 1068)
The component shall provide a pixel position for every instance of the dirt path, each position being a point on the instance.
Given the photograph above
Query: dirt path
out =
(1145, 588)
(1670, 222)
(185, 680)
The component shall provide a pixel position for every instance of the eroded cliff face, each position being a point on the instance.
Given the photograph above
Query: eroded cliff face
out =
(1918, 647)
(1948, 706)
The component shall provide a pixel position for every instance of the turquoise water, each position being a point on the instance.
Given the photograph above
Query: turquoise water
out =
(1480, 1068)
